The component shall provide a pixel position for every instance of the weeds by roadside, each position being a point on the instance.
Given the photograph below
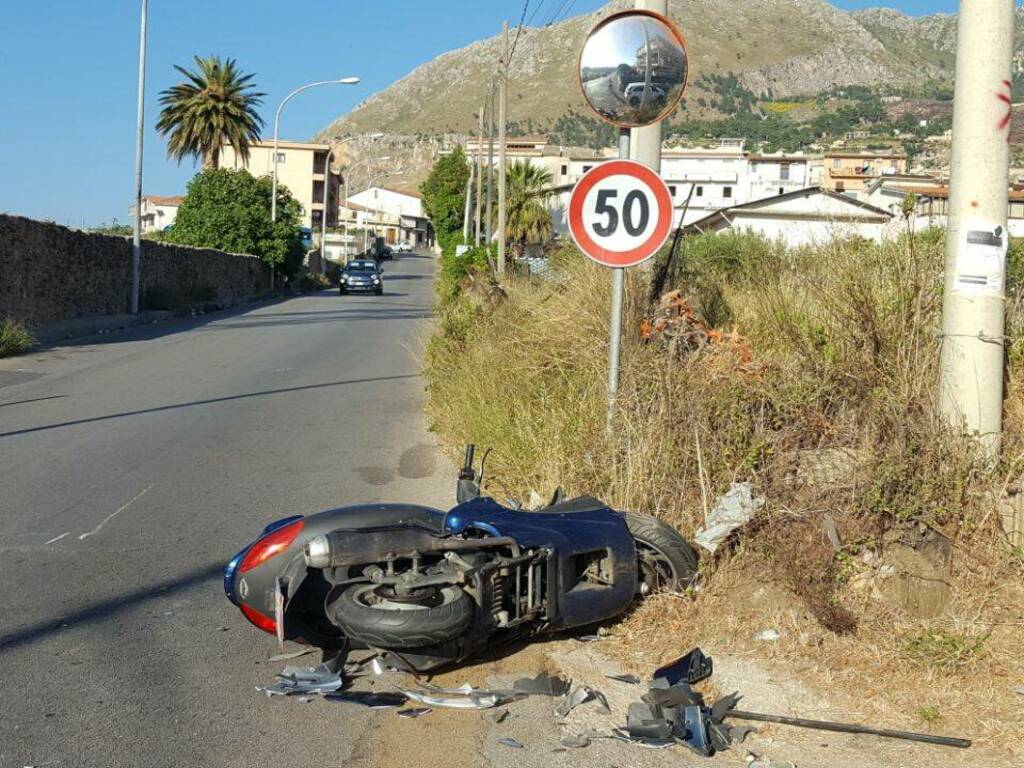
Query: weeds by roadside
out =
(14, 337)
(833, 413)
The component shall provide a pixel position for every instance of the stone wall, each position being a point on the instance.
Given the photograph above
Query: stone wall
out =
(50, 274)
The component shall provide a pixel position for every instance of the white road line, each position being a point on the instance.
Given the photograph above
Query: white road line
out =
(112, 515)
(56, 538)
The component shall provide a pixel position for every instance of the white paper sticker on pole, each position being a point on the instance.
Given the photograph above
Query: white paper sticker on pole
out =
(981, 258)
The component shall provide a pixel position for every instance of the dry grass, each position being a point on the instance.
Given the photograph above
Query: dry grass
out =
(843, 343)
(14, 338)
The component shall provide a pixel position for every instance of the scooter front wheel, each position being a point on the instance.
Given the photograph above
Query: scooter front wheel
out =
(375, 615)
(667, 561)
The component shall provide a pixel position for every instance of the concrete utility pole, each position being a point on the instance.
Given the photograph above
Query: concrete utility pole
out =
(479, 172)
(502, 118)
(469, 197)
(139, 119)
(971, 362)
(645, 143)
(490, 169)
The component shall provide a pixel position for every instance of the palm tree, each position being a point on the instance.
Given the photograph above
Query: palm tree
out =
(216, 105)
(528, 218)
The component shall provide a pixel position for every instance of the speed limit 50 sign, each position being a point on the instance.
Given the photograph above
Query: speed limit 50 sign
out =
(620, 213)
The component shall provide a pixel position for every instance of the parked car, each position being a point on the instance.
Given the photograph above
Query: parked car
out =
(361, 275)
(635, 94)
(403, 247)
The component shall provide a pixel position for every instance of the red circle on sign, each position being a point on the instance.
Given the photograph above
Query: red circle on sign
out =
(662, 198)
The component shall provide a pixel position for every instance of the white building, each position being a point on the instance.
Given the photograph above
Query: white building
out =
(392, 214)
(812, 216)
(158, 211)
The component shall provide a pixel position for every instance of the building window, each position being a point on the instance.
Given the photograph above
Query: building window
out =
(726, 191)
(840, 186)
(280, 157)
(836, 163)
(784, 172)
(782, 191)
(699, 192)
(586, 168)
(565, 170)
(672, 189)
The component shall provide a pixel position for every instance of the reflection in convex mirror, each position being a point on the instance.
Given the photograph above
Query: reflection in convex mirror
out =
(633, 68)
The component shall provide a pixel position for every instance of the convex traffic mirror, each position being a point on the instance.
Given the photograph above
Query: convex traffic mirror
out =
(633, 68)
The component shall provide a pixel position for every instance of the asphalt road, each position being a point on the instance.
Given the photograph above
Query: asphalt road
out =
(134, 464)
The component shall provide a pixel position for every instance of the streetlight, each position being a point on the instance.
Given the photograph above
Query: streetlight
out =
(277, 123)
(137, 223)
(345, 179)
(380, 211)
(327, 172)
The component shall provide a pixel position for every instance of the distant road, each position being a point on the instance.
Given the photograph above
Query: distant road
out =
(134, 465)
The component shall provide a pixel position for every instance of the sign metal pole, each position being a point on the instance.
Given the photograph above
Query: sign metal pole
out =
(615, 339)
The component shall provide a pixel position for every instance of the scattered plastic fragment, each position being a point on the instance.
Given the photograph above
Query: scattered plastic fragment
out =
(732, 509)
(304, 680)
(414, 712)
(541, 685)
(767, 635)
(510, 742)
(630, 679)
(473, 700)
(578, 696)
(578, 741)
(589, 638)
(291, 655)
(690, 668)
(368, 699)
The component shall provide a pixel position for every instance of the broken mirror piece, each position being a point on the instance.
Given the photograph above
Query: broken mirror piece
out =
(473, 700)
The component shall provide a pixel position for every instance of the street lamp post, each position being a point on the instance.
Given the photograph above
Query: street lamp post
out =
(277, 125)
(137, 223)
(347, 171)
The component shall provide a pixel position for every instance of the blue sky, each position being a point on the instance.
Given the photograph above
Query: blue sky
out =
(68, 78)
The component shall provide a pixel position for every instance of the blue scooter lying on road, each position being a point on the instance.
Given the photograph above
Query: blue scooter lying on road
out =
(428, 588)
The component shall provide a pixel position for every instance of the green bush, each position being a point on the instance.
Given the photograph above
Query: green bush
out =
(14, 337)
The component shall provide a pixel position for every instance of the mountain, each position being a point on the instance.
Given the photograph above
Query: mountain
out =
(785, 47)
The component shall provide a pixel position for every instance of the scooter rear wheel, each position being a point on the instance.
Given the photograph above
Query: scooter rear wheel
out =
(668, 563)
(369, 614)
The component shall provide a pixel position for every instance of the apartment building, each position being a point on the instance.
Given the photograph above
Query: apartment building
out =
(158, 211)
(302, 168)
(850, 171)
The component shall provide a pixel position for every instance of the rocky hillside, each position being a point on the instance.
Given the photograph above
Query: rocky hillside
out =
(785, 47)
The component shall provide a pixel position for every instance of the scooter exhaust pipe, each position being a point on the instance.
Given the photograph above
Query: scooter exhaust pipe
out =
(317, 552)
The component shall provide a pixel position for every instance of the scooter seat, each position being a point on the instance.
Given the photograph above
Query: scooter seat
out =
(579, 504)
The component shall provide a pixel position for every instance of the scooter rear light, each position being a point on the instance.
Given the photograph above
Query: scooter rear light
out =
(265, 623)
(270, 546)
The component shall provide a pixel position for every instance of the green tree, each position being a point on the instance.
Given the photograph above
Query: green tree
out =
(444, 194)
(230, 210)
(215, 106)
(528, 218)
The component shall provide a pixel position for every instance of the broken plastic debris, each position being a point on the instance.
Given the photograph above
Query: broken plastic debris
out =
(630, 679)
(510, 742)
(541, 685)
(415, 712)
(576, 742)
(691, 668)
(578, 696)
(368, 699)
(767, 635)
(291, 655)
(732, 509)
(473, 700)
(304, 680)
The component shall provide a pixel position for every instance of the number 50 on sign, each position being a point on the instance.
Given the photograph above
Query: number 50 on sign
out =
(620, 213)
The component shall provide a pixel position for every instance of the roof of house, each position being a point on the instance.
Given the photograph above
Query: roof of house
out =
(405, 192)
(943, 191)
(282, 144)
(867, 155)
(723, 213)
(164, 199)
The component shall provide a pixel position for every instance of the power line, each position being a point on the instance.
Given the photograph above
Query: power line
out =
(556, 16)
(519, 30)
(536, 10)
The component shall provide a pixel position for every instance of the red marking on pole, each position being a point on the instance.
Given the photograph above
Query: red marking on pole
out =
(974, 203)
(1007, 99)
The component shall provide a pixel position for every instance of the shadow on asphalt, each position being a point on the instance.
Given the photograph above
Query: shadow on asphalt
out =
(33, 400)
(210, 401)
(107, 609)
